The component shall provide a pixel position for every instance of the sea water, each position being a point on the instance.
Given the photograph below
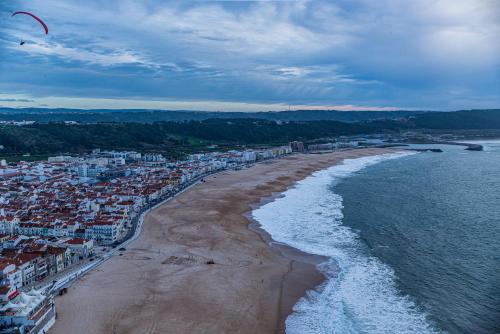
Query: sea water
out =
(412, 243)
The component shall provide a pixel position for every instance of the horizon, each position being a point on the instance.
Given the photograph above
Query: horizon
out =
(252, 56)
(234, 111)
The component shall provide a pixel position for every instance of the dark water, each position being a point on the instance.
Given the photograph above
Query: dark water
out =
(435, 219)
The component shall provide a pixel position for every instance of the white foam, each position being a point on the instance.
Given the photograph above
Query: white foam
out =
(359, 295)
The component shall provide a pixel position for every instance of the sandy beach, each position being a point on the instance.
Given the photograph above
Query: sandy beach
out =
(162, 282)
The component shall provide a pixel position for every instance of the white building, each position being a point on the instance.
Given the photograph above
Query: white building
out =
(8, 224)
(26, 313)
(249, 156)
(90, 171)
(61, 158)
(104, 232)
(10, 275)
(80, 247)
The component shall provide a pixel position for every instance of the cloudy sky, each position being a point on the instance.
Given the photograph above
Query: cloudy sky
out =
(234, 55)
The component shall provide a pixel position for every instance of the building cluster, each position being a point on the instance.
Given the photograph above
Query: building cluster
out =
(330, 146)
(27, 260)
(24, 261)
(17, 123)
(53, 212)
(297, 146)
(340, 143)
(31, 312)
(98, 196)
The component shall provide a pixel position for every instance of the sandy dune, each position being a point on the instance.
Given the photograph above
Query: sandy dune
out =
(162, 283)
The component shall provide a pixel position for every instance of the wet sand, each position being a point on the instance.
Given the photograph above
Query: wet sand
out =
(162, 282)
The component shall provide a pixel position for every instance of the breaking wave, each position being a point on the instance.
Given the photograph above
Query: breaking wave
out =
(359, 294)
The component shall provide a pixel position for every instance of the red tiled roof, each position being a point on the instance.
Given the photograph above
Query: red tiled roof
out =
(76, 241)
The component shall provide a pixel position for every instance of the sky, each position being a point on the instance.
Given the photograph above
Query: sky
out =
(251, 56)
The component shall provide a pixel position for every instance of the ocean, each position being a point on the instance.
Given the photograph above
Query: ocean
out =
(413, 242)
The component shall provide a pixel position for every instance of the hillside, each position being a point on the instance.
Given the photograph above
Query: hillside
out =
(166, 136)
(178, 137)
(150, 116)
(458, 120)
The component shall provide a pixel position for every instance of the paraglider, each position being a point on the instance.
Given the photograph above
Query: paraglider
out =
(36, 18)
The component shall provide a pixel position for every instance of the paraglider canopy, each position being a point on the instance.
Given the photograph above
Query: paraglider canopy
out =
(36, 18)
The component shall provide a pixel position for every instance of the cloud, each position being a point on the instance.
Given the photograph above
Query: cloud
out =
(360, 52)
(16, 100)
(101, 57)
(323, 75)
(261, 28)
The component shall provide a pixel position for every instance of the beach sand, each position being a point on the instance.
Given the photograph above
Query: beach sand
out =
(162, 282)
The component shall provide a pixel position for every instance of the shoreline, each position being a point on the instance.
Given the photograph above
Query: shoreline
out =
(303, 274)
(163, 282)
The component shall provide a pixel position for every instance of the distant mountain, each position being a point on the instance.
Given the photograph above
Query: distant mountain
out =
(149, 116)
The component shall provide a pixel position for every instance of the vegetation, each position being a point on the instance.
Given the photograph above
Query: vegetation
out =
(178, 138)
(459, 120)
(170, 137)
(151, 116)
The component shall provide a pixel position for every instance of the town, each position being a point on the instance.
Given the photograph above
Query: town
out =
(60, 217)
